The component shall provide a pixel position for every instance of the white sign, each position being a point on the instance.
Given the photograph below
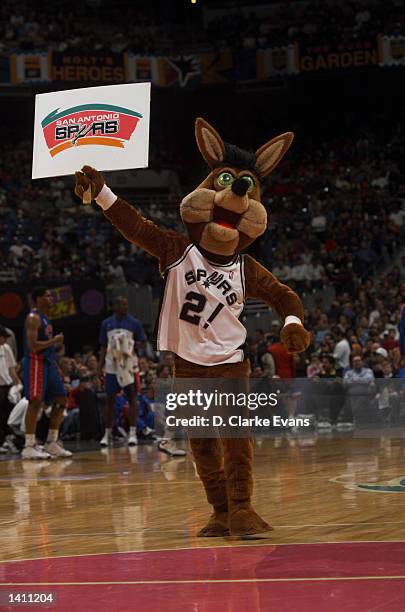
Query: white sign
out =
(104, 127)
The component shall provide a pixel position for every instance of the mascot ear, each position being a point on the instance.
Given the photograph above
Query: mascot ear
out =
(209, 142)
(268, 156)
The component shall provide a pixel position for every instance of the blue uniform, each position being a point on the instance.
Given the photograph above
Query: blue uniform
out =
(402, 331)
(42, 380)
(109, 327)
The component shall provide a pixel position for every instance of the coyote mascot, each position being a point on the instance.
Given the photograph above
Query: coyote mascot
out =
(207, 280)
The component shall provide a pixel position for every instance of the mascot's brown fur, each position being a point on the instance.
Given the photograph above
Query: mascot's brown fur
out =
(222, 217)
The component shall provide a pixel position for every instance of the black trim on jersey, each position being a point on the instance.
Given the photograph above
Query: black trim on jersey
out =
(245, 350)
(243, 347)
(218, 265)
(182, 258)
(214, 263)
(155, 335)
(242, 275)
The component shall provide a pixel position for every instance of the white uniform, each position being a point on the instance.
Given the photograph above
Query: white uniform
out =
(202, 303)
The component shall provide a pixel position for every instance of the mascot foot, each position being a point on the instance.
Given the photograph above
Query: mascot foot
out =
(216, 527)
(247, 524)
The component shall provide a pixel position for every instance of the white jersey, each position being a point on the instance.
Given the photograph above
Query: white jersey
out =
(202, 303)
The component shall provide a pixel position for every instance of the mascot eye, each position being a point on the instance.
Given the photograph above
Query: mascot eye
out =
(249, 180)
(225, 179)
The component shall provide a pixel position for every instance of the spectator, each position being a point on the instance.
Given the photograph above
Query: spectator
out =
(283, 271)
(358, 382)
(284, 362)
(12, 342)
(330, 393)
(8, 377)
(388, 395)
(260, 342)
(341, 353)
(391, 341)
(315, 366)
(268, 366)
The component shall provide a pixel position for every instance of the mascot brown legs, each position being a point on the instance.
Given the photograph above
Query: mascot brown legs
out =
(225, 465)
(238, 459)
(225, 469)
(209, 461)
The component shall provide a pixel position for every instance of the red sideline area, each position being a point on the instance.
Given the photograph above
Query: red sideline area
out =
(352, 576)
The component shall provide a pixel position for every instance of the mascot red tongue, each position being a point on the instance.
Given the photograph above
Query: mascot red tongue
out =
(207, 279)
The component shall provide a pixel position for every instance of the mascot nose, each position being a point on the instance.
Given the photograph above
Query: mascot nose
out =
(240, 187)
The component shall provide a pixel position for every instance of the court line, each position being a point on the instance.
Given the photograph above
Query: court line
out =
(173, 530)
(358, 524)
(20, 480)
(95, 481)
(246, 544)
(209, 581)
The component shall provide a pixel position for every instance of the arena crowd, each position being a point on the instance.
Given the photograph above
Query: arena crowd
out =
(336, 216)
(163, 29)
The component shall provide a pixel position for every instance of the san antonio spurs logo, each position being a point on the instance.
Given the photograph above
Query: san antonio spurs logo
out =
(89, 124)
(396, 485)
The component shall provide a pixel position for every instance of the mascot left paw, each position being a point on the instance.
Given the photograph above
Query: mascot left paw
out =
(246, 523)
(216, 527)
(295, 338)
(88, 177)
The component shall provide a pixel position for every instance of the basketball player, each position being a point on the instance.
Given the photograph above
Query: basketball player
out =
(42, 381)
(119, 323)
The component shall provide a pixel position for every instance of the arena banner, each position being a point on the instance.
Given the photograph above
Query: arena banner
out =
(276, 61)
(217, 68)
(5, 75)
(88, 68)
(392, 50)
(141, 68)
(344, 55)
(106, 127)
(244, 61)
(29, 68)
(63, 303)
(82, 300)
(181, 71)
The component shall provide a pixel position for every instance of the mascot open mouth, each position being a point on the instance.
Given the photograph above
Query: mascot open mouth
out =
(225, 218)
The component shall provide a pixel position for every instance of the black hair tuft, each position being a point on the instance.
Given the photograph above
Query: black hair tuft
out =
(37, 293)
(239, 158)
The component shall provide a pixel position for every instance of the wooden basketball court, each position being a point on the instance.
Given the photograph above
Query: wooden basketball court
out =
(115, 530)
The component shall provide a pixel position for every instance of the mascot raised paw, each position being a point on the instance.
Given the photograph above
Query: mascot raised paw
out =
(207, 280)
